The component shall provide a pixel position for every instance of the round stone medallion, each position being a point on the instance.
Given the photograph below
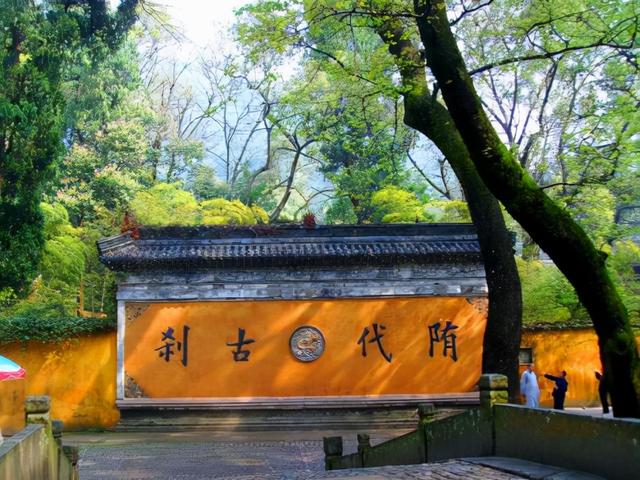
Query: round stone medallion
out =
(307, 343)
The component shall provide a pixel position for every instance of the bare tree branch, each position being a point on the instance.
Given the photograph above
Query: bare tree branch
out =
(444, 192)
(466, 11)
(547, 55)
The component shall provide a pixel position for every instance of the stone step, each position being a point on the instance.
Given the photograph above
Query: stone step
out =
(271, 413)
(364, 419)
(341, 402)
(257, 420)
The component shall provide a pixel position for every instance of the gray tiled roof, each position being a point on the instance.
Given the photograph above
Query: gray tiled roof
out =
(289, 245)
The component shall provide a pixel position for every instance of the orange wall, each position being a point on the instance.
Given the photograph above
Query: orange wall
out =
(79, 375)
(575, 351)
(273, 371)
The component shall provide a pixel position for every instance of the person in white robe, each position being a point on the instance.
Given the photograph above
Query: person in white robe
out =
(529, 387)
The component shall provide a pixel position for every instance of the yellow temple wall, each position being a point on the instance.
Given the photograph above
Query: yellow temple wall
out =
(78, 374)
(12, 395)
(573, 350)
(271, 370)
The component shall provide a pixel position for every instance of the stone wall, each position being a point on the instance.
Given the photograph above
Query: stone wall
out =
(440, 435)
(33, 454)
(603, 446)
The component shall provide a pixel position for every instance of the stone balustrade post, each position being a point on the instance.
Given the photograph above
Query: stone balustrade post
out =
(364, 447)
(37, 409)
(426, 412)
(73, 454)
(364, 443)
(57, 426)
(332, 450)
(493, 389)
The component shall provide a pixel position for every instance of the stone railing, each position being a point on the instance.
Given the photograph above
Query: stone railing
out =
(609, 447)
(36, 452)
(438, 436)
(606, 447)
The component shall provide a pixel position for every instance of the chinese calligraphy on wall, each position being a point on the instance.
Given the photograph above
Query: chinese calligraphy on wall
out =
(441, 340)
(170, 341)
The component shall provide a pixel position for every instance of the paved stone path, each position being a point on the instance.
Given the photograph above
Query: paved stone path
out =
(453, 469)
(266, 456)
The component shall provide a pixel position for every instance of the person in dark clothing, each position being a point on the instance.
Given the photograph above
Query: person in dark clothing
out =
(560, 390)
(602, 390)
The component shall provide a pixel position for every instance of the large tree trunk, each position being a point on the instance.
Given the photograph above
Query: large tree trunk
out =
(422, 112)
(548, 224)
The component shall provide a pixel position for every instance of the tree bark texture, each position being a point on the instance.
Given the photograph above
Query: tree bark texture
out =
(424, 113)
(549, 225)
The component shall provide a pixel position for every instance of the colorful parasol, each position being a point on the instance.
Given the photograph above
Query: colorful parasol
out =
(10, 370)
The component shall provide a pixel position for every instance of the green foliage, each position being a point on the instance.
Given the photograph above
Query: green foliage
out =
(593, 207)
(179, 154)
(549, 298)
(63, 260)
(100, 92)
(41, 42)
(348, 106)
(30, 133)
(230, 212)
(41, 322)
(98, 281)
(94, 193)
(56, 220)
(340, 211)
(7, 298)
(584, 146)
(49, 312)
(113, 189)
(448, 211)
(394, 205)
(108, 129)
(626, 255)
(122, 144)
(21, 243)
(204, 185)
(364, 149)
(165, 204)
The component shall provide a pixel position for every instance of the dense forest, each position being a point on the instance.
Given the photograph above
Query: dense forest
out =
(303, 107)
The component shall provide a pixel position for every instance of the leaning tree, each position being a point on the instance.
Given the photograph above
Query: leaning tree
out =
(549, 225)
